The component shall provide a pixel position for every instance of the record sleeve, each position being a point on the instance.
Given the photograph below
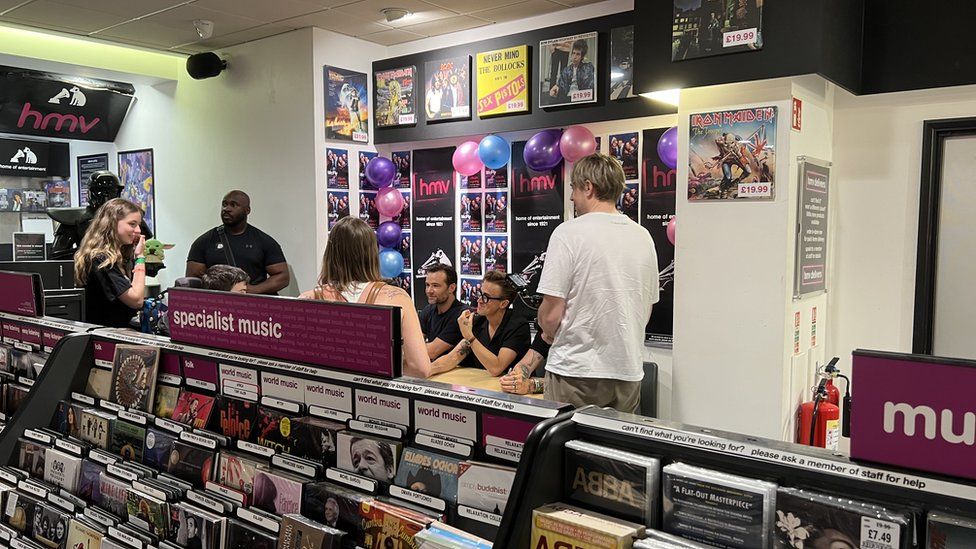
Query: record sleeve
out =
(191, 463)
(50, 526)
(18, 512)
(373, 457)
(193, 409)
(316, 439)
(619, 483)
(298, 532)
(83, 536)
(274, 430)
(61, 469)
(243, 536)
(824, 520)
(237, 417)
(166, 397)
(128, 440)
(237, 471)
(73, 419)
(99, 383)
(60, 421)
(113, 494)
(439, 534)
(448, 88)
(159, 444)
(949, 531)
(659, 540)
(31, 457)
(148, 513)
(335, 506)
(568, 69)
(277, 492)
(346, 105)
(96, 427)
(717, 508)
(484, 486)
(393, 96)
(388, 525)
(5, 362)
(134, 376)
(15, 395)
(429, 473)
(186, 527)
(88, 481)
(559, 524)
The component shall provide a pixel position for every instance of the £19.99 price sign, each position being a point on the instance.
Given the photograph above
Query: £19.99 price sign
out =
(742, 37)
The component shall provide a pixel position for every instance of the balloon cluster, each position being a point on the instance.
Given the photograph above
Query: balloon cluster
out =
(546, 149)
(381, 172)
(469, 157)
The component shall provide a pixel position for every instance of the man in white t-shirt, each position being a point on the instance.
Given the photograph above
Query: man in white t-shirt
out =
(599, 283)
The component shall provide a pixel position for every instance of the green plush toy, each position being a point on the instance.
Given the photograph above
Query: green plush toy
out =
(154, 250)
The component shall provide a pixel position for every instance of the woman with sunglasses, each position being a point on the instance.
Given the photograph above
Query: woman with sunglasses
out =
(496, 337)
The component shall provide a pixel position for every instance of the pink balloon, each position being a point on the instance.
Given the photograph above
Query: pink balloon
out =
(671, 229)
(577, 142)
(466, 159)
(389, 201)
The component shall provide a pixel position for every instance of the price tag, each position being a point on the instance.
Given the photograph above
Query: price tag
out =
(755, 190)
(408, 118)
(360, 137)
(516, 105)
(879, 534)
(581, 95)
(742, 37)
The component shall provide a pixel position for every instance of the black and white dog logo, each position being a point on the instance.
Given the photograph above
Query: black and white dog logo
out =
(24, 154)
(78, 98)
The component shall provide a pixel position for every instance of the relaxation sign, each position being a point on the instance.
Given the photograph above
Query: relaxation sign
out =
(350, 337)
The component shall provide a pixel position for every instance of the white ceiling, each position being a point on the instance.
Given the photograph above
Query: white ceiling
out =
(168, 24)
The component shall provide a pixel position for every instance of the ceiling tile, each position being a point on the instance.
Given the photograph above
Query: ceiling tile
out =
(126, 9)
(334, 21)
(421, 12)
(466, 6)
(182, 18)
(391, 37)
(530, 8)
(146, 31)
(240, 37)
(8, 4)
(41, 26)
(576, 3)
(444, 26)
(63, 15)
(263, 10)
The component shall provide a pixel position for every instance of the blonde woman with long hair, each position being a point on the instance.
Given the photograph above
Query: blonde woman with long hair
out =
(114, 288)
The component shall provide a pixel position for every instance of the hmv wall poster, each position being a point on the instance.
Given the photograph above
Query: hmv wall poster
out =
(657, 209)
(537, 209)
(433, 214)
(54, 105)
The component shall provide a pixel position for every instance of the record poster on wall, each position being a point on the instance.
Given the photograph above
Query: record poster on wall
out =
(732, 155)
(622, 63)
(705, 28)
(537, 209)
(568, 70)
(346, 105)
(434, 222)
(336, 169)
(503, 81)
(496, 252)
(625, 147)
(393, 97)
(338, 206)
(364, 158)
(138, 184)
(496, 179)
(447, 94)
(657, 208)
(367, 209)
(401, 160)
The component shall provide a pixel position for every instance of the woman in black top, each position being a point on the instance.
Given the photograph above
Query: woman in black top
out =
(496, 338)
(114, 291)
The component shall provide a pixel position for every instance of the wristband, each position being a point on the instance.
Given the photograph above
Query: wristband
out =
(538, 386)
(140, 260)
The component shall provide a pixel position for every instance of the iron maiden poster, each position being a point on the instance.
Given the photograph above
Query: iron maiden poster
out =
(346, 105)
(393, 97)
(433, 214)
(657, 209)
(537, 209)
(732, 155)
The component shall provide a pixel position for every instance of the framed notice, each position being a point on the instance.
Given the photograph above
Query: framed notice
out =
(811, 235)
(88, 165)
(567, 70)
(138, 183)
(29, 247)
(503, 81)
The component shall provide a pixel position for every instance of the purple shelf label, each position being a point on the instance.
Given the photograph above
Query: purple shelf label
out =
(18, 296)
(200, 369)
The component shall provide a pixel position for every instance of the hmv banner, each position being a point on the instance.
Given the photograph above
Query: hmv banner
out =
(657, 209)
(23, 158)
(54, 105)
(537, 209)
(433, 214)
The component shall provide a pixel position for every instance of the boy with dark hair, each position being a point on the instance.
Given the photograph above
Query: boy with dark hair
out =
(226, 279)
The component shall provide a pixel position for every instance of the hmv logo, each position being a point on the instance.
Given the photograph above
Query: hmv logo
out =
(26, 154)
(438, 187)
(661, 179)
(536, 184)
(38, 120)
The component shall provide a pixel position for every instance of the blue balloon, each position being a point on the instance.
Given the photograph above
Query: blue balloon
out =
(494, 151)
(391, 263)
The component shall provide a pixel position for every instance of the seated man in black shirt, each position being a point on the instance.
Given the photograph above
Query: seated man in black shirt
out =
(438, 320)
(241, 245)
(496, 337)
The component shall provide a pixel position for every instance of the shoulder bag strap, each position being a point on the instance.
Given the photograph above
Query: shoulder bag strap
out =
(373, 292)
(228, 253)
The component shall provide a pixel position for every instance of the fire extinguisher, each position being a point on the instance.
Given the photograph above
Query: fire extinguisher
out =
(819, 420)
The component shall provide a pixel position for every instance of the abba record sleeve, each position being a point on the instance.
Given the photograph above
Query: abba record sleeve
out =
(715, 508)
(335, 506)
(128, 440)
(298, 532)
(159, 444)
(243, 536)
(429, 473)
(237, 417)
(277, 492)
(134, 371)
(191, 463)
(61, 469)
(822, 519)
(620, 483)
(949, 531)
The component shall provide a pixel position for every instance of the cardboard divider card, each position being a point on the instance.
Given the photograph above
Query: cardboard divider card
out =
(200, 373)
(25, 381)
(241, 379)
(138, 419)
(235, 392)
(479, 515)
(9, 477)
(125, 538)
(259, 518)
(375, 429)
(76, 501)
(7, 532)
(328, 395)
(22, 543)
(26, 347)
(85, 399)
(149, 489)
(170, 369)
(102, 457)
(221, 440)
(121, 472)
(233, 495)
(199, 440)
(346, 478)
(504, 443)
(503, 453)
(256, 449)
(440, 418)
(99, 516)
(61, 502)
(281, 386)
(68, 446)
(32, 488)
(504, 430)
(328, 413)
(31, 335)
(383, 422)
(109, 405)
(104, 353)
(304, 467)
(436, 504)
(38, 436)
(207, 502)
(168, 425)
(50, 338)
(383, 407)
(11, 333)
(283, 405)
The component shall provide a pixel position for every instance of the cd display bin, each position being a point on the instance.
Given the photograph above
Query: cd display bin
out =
(540, 479)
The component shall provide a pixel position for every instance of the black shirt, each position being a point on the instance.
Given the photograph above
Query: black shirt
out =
(102, 291)
(441, 326)
(253, 250)
(512, 333)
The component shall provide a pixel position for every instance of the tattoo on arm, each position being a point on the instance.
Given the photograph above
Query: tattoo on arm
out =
(464, 348)
(526, 374)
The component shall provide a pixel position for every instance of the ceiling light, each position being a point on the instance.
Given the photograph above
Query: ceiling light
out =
(394, 14)
(671, 97)
(204, 28)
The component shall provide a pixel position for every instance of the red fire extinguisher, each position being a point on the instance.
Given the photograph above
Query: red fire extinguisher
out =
(819, 421)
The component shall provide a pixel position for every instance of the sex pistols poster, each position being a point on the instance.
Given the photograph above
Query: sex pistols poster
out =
(732, 155)
(433, 214)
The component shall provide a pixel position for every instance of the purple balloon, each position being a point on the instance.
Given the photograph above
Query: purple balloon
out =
(388, 234)
(667, 148)
(542, 150)
(380, 172)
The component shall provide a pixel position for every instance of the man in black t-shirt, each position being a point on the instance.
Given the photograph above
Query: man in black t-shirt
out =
(241, 245)
(438, 320)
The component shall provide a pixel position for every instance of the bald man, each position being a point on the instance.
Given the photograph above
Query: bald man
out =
(241, 245)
